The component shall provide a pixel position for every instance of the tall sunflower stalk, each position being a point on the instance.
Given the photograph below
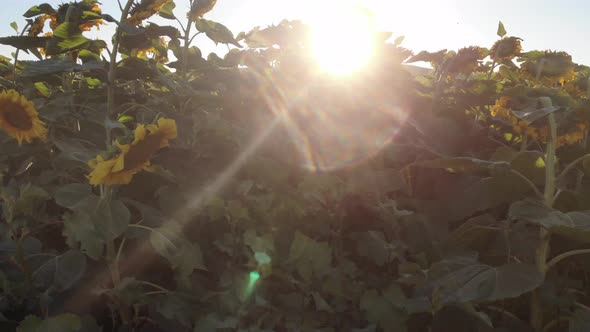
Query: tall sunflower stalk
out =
(105, 191)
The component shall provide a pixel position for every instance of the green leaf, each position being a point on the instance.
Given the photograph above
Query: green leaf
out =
(464, 280)
(43, 8)
(56, 66)
(464, 165)
(174, 307)
(29, 324)
(381, 311)
(169, 242)
(80, 228)
(43, 89)
(61, 323)
(372, 245)
(14, 26)
(71, 195)
(501, 30)
(580, 321)
(573, 225)
(62, 272)
(320, 303)
(217, 32)
(113, 218)
(125, 118)
(262, 258)
(24, 42)
(311, 258)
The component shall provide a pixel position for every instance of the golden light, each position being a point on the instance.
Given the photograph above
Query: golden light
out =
(342, 39)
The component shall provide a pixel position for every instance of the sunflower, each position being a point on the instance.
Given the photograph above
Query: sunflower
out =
(19, 118)
(135, 157)
(200, 8)
(145, 9)
(553, 67)
(506, 49)
(466, 60)
(84, 22)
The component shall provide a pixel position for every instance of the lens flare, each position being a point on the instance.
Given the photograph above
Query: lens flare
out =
(342, 39)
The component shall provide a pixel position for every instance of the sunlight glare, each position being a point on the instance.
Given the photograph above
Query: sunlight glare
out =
(342, 38)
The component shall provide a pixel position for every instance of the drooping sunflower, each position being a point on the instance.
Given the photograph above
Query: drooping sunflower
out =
(200, 8)
(552, 68)
(506, 48)
(84, 22)
(145, 9)
(466, 60)
(19, 118)
(135, 157)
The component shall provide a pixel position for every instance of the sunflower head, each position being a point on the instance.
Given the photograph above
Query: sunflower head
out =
(38, 24)
(134, 157)
(19, 118)
(84, 13)
(200, 8)
(466, 60)
(552, 67)
(145, 9)
(506, 49)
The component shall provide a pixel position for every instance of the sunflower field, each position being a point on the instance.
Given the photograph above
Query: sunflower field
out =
(145, 186)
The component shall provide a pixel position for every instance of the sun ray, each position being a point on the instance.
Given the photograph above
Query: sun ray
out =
(342, 41)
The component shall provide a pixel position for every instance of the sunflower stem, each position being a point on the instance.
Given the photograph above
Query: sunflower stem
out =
(542, 252)
(112, 66)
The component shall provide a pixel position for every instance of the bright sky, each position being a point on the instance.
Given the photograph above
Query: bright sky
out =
(426, 24)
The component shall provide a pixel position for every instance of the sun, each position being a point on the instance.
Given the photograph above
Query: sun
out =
(342, 39)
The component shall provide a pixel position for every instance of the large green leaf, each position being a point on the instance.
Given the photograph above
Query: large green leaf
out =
(463, 279)
(573, 225)
(385, 309)
(311, 258)
(71, 195)
(580, 321)
(79, 228)
(217, 32)
(24, 42)
(61, 272)
(56, 66)
(63, 323)
(464, 165)
(170, 243)
(113, 217)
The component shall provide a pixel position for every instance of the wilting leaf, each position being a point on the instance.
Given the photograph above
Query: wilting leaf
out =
(43, 8)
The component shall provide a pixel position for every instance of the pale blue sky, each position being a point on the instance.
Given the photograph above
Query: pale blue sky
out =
(427, 24)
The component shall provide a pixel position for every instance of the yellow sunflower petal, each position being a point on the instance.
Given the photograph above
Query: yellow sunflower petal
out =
(19, 118)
